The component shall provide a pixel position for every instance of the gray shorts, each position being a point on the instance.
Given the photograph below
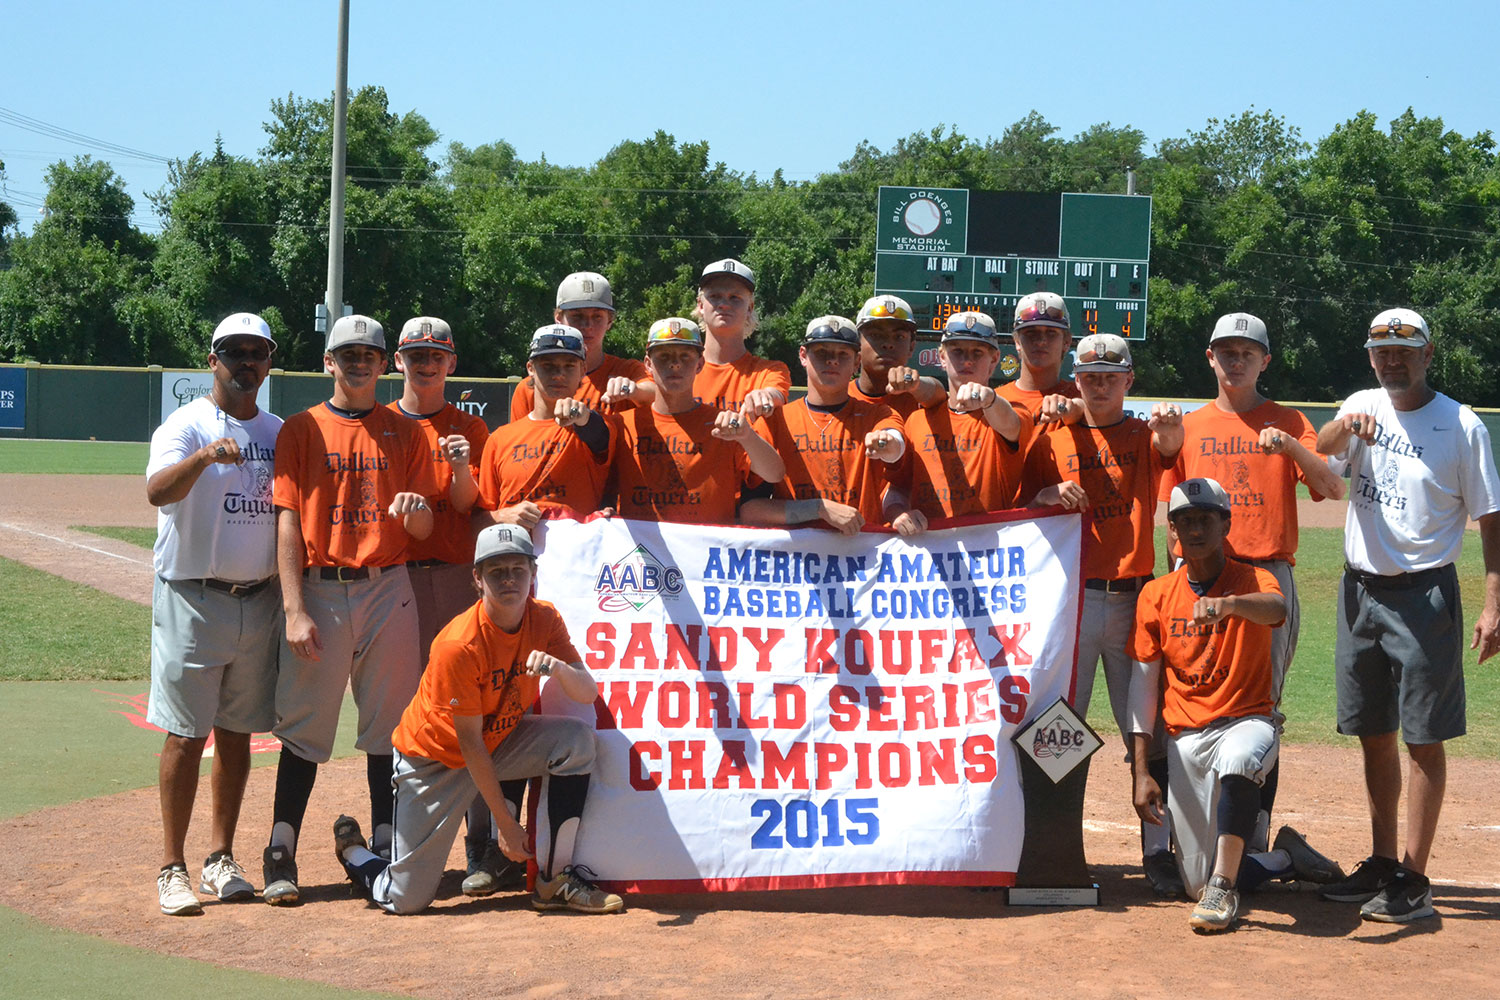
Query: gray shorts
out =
(1104, 634)
(1399, 656)
(213, 658)
(431, 798)
(368, 629)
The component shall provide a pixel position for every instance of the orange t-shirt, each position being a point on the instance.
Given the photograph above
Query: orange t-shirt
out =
(962, 464)
(1120, 471)
(1220, 670)
(477, 668)
(451, 540)
(1262, 488)
(341, 474)
(590, 390)
(904, 403)
(724, 387)
(825, 454)
(1031, 399)
(549, 465)
(672, 468)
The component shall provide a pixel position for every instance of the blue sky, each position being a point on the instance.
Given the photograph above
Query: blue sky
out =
(769, 85)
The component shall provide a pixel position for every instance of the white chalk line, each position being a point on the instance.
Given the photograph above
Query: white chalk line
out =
(76, 545)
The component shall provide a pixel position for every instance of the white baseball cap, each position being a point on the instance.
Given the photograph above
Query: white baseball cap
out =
(674, 330)
(241, 325)
(1103, 352)
(1206, 493)
(728, 267)
(971, 326)
(888, 308)
(1398, 328)
(585, 290)
(355, 330)
(557, 338)
(831, 330)
(1243, 326)
(503, 540)
(1041, 309)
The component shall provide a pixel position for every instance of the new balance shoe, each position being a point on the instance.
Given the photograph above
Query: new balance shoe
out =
(346, 834)
(572, 889)
(280, 872)
(224, 877)
(1308, 864)
(1216, 909)
(1406, 897)
(493, 872)
(1164, 875)
(1368, 878)
(174, 890)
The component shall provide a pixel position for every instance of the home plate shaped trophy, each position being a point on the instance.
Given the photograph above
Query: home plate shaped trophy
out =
(1055, 751)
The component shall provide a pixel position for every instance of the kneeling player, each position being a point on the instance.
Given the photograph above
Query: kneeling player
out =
(468, 728)
(1209, 623)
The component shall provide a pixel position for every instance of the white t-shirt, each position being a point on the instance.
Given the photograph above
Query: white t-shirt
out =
(225, 528)
(1413, 489)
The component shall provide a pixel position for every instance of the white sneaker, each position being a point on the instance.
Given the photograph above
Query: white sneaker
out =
(224, 877)
(175, 892)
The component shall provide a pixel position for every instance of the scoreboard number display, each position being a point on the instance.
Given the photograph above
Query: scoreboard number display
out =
(951, 250)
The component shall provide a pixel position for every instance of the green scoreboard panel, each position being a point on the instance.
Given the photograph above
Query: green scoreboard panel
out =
(949, 250)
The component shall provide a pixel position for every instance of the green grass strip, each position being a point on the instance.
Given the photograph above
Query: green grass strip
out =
(117, 458)
(59, 630)
(144, 537)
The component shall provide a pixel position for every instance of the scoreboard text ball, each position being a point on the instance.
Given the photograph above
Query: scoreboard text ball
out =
(950, 250)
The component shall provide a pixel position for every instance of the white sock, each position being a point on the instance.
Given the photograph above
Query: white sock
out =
(282, 835)
(381, 838)
(1276, 862)
(356, 855)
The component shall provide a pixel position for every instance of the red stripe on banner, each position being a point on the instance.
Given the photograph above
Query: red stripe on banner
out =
(831, 880)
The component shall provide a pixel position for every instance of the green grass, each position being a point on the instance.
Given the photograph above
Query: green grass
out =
(144, 537)
(1308, 697)
(117, 458)
(59, 630)
(42, 961)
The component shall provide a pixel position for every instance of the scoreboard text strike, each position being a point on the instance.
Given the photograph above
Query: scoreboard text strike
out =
(948, 250)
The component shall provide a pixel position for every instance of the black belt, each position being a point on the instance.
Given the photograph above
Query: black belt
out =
(346, 574)
(1399, 581)
(237, 589)
(1128, 585)
(425, 563)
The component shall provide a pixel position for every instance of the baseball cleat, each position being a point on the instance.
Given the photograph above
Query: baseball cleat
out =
(1164, 875)
(174, 890)
(280, 872)
(1406, 897)
(493, 872)
(1308, 864)
(573, 889)
(224, 877)
(346, 834)
(1216, 910)
(1368, 878)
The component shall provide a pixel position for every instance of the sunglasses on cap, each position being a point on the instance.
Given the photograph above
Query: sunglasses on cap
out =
(1031, 312)
(1395, 330)
(259, 352)
(557, 341)
(888, 310)
(1108, 355)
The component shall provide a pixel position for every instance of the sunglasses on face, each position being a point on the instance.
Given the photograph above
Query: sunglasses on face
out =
(235, 354)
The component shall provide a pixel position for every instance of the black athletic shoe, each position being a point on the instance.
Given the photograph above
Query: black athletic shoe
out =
(1164, 875)
(1406, 897)
(280, 873)
(1368, 878)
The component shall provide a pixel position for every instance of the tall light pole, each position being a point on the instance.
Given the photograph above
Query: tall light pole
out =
(333, 299)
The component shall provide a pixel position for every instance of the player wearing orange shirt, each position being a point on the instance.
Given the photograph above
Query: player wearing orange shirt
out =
(468, 729)
(1110, 465)
(1259, 450)
(351, 487)
(679, 459)
(556, 458)
(969, 445)
(732, 378)
(840, 453)
(1201, 652)
(887, 339)
(586, 303)
(1042, 332)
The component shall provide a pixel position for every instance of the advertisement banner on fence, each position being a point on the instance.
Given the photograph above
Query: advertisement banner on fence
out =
(13, 398)
(178, 388)
(795, 709)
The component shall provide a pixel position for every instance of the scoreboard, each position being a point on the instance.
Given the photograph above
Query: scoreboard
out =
(949, 250)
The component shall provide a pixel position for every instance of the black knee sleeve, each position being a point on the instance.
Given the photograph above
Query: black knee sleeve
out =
(1239, 802)
(1157, 768)
(295, 778)
(1268, 790)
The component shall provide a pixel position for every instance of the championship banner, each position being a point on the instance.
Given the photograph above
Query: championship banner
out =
(788, 709)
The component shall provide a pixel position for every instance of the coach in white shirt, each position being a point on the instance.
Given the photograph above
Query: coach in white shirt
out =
(1420, 467)
(216, 605)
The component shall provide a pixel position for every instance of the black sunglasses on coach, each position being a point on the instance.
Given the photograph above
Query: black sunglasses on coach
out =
(236, 354)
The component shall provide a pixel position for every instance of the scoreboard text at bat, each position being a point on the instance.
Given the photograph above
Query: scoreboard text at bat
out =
(949, 250)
